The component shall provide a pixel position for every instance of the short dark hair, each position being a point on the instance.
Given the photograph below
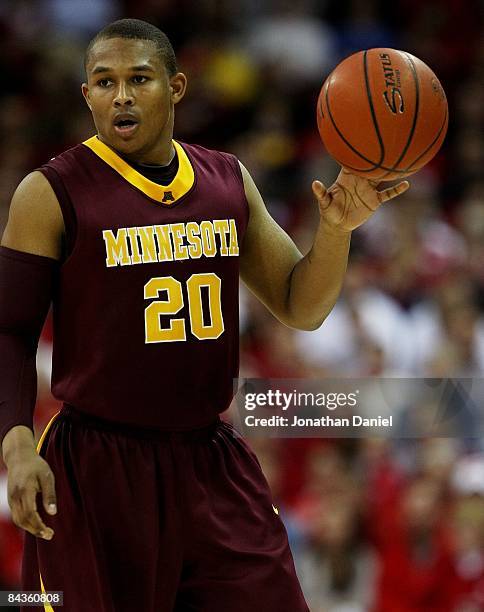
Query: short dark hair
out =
(138, 30)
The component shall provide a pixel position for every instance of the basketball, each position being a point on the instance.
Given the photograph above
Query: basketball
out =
(382, 114)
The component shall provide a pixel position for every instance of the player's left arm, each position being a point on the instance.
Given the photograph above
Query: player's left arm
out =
(301, 291)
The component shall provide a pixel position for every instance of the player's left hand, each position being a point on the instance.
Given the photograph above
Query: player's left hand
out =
(351, 200)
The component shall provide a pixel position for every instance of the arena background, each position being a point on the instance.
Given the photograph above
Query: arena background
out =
(383, 526)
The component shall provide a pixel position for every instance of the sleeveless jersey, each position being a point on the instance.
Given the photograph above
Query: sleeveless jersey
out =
(146, 307)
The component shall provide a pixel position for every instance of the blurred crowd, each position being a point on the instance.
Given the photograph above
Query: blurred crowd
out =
(375, 525)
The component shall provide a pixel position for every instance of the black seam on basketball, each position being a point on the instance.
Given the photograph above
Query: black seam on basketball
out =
(348, 144)
(409, 168)
(370, 169)
(372, 109)
(320, 108)
(415, 115)
(358, 169)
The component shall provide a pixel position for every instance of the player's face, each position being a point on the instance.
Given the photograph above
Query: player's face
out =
(132, 98)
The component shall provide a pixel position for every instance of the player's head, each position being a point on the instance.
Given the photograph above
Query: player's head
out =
(135, 29)
(132, 86)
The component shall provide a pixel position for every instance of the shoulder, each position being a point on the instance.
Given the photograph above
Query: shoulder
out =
(219, 159)
(35, 223)
(200, 150)
(34, 192)
(68, 159)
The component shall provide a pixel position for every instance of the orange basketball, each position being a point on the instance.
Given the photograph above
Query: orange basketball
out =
(382, 114)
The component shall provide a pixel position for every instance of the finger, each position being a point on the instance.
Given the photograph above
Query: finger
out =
(319, 190)
(47, 487)
(46, 533)
(22, 519)
(321, 194)
(392, 192)
(40, 529)
(19, 507)
(30, 518)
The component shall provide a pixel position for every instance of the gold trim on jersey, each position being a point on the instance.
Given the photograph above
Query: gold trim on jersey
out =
(47, 606)
(165, 194)
(44, 433)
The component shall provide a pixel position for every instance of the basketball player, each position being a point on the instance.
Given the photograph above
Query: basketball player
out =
(138, 241)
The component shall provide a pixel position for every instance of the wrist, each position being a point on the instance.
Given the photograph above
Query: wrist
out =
(17, 441)
(329, 229)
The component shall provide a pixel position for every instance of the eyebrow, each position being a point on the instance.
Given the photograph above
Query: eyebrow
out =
(140, 68)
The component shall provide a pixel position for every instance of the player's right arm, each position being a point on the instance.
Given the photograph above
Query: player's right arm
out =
(30, 248)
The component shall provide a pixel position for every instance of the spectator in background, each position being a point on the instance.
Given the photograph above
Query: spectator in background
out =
(468, 534)
(336, 567)
(293, 45)
(414, 552)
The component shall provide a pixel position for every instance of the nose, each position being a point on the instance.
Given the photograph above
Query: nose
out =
(124, 96)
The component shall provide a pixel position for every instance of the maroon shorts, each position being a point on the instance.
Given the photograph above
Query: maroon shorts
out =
(160, 522)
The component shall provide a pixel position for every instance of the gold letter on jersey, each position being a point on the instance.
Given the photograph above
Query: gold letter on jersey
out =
(165, 252)
(178, 232)
(116, 248)
(133, 240)
(194, 241)
(148, 245)
(234, 245)
(221, 226)
(208, 238)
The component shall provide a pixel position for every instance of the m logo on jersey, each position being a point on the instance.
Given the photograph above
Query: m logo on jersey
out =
(128, 246)
(168, 197)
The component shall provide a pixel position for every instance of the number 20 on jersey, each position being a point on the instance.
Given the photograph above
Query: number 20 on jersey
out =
(172, 290)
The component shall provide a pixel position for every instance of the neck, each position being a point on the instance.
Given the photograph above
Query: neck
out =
(160, 156)
(144, 164)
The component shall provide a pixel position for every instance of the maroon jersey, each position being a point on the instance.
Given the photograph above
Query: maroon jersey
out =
(146, 309)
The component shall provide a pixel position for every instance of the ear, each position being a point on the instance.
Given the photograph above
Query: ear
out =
(85, 93)
(178, 86)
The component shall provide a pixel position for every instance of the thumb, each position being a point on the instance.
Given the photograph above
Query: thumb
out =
(319, 191)
(47, 484)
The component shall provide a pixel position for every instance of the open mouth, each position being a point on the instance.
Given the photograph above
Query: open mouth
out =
(125, 126)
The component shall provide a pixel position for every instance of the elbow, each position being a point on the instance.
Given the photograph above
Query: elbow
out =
(312, 326)
(307, 326)
(303, 315)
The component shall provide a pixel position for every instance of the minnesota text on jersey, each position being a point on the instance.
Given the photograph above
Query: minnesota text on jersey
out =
(174, 241)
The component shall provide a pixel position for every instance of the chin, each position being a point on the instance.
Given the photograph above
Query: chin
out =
(127, 147)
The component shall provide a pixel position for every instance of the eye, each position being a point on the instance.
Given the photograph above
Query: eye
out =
(139, 79)
(104, 82)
